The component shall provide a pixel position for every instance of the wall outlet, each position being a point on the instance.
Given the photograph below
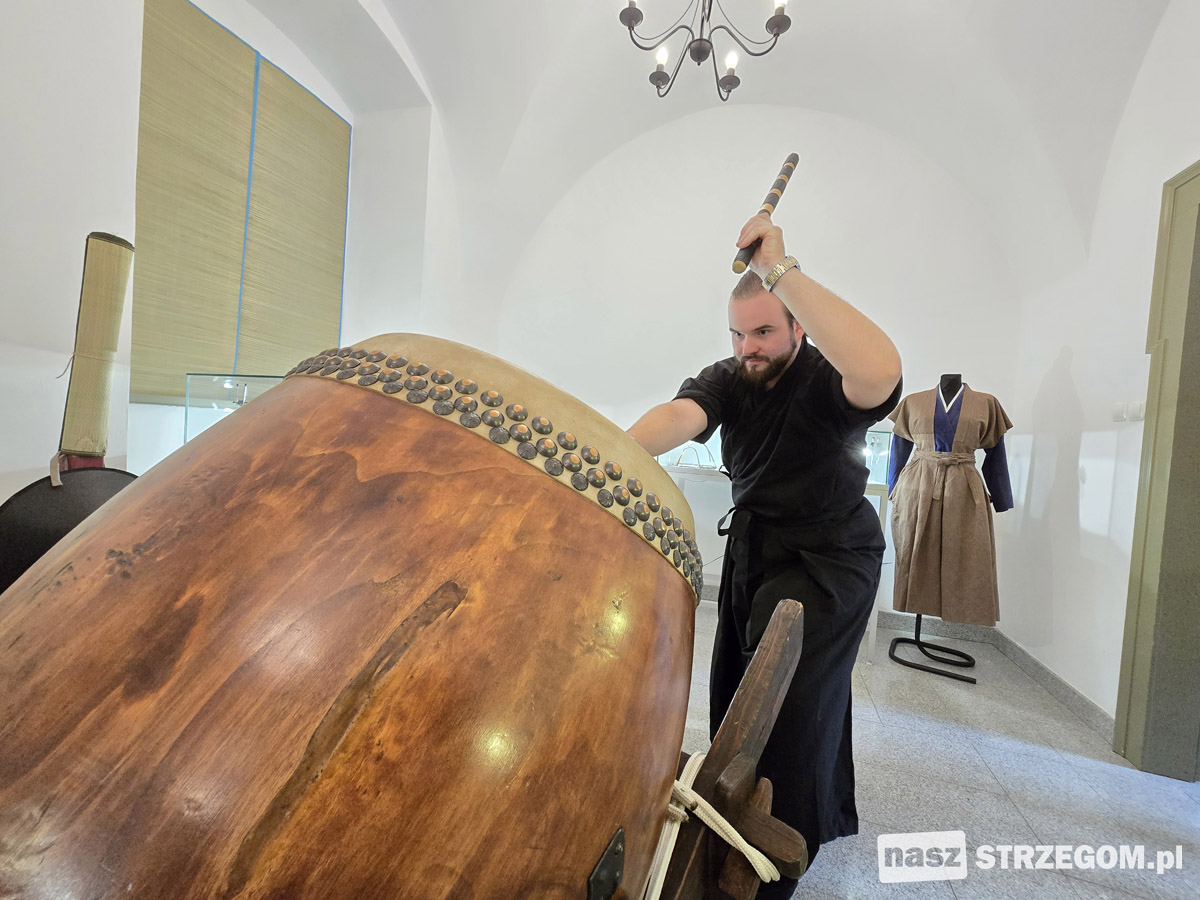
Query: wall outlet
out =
(1137, 410)
(1120, 412)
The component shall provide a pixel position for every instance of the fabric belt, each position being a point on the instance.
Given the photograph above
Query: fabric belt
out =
(741, 520)
(944, 461)
(739, 523)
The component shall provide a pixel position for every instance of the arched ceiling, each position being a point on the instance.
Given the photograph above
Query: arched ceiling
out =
(1019, 99)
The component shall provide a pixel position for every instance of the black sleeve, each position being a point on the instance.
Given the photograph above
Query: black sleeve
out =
(849, 419)
(710, 389)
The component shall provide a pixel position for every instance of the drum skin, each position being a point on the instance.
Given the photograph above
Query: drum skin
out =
(340, 647)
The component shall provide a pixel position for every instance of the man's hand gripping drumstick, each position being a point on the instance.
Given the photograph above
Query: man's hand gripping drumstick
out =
(865, 357)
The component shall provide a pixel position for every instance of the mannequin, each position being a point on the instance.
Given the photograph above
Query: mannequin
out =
(950, 385)
(941, 512)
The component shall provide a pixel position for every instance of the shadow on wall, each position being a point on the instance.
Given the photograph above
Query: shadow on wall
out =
(1046, 536)
(1061, 549)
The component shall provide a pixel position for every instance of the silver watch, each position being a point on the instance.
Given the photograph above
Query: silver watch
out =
(789, 262)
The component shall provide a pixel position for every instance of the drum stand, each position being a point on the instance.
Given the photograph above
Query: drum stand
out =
(703, 867)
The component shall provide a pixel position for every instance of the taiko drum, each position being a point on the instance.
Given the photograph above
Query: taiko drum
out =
(412, 625)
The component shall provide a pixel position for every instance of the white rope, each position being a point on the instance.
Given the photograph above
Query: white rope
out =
(56, 462)
(683, 801)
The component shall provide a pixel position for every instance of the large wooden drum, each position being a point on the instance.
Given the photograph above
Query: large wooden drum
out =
(413, 625)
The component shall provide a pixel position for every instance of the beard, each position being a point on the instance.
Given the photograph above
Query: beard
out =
(773, 368)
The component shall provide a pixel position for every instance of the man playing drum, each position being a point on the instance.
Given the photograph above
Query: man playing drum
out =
(793, 425)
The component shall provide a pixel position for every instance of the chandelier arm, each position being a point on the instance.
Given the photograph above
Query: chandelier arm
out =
(738, 41)
(656, 40)
(663, 38)
(717, 79)
(674, 72)
(739, 31)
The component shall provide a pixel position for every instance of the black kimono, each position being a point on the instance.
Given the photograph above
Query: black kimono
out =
(801, 529)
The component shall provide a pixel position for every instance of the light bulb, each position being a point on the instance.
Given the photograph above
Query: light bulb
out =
(661, 56)
(731, 60)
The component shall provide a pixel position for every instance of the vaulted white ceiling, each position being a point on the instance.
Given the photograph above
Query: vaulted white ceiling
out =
(1017, 99)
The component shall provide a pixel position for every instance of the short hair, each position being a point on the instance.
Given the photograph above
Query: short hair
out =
(750, 285)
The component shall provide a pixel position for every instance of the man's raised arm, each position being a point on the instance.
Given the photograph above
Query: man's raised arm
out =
(668, 425)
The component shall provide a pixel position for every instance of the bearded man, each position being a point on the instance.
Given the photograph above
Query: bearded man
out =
(793, 425)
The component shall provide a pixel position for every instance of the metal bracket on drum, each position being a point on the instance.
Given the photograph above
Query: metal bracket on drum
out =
(606, 877)
(702, 866)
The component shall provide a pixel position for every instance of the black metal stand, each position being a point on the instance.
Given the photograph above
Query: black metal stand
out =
(955, 658)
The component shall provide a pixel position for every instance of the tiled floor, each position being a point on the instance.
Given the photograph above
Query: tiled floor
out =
(1001, 760)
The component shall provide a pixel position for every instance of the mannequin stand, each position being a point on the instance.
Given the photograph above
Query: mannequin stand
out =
(955, 657)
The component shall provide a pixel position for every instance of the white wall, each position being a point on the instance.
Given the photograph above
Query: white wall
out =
(1065, 550)
(385, 239)
(69, 80)
(621, 293)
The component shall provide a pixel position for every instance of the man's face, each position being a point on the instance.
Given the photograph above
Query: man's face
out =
(764, 340)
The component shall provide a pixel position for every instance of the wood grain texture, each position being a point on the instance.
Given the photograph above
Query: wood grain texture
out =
(336, 647)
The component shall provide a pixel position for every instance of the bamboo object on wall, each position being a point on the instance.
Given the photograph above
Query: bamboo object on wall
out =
(105, 280)
(241, 209)
(193, 158)
(295, 241)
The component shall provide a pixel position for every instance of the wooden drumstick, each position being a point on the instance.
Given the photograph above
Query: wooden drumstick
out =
(768, 206)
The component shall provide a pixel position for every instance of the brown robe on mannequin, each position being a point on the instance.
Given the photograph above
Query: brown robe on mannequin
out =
(941, 513)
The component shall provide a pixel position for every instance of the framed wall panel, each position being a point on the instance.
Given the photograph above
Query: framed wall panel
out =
(194, 141)
(295, 238)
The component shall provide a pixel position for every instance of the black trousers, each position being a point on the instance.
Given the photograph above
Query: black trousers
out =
(833, 569)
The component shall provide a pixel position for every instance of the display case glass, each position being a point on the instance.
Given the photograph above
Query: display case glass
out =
(694, 456)
(209, 398)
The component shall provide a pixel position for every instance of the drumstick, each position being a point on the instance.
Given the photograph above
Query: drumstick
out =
(768, 206)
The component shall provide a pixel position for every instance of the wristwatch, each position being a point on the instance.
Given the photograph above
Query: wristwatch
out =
(776, 273)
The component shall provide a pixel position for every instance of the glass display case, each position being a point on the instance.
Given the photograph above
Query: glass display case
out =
(693, 456)
(878, 451)
(209, 398)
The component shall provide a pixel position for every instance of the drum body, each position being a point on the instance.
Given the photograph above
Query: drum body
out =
(344, 646)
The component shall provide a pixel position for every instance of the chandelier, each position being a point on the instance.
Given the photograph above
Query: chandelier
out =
(699, 44)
